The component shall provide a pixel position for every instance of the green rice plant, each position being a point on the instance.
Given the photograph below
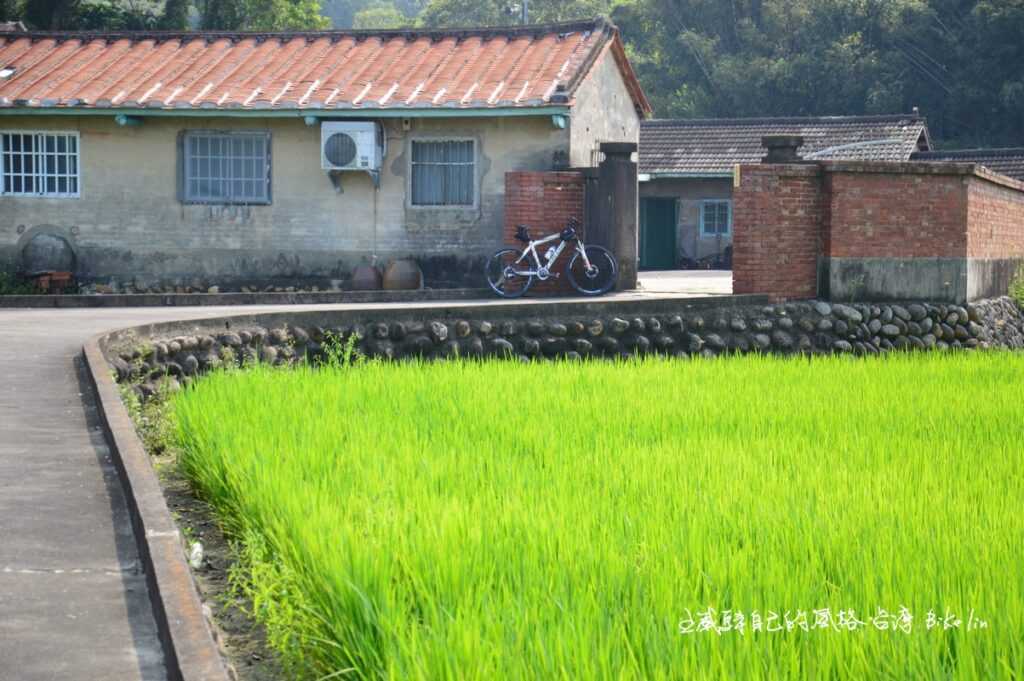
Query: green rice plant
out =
(497, 520)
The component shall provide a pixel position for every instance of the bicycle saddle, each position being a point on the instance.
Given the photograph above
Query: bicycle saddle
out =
(523, 233)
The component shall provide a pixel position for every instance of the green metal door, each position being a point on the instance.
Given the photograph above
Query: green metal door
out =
(657, 234)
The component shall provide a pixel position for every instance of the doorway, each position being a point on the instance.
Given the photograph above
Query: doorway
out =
(657, 234)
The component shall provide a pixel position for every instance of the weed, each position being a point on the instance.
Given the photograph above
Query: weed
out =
(1017, 286)
(12, 285)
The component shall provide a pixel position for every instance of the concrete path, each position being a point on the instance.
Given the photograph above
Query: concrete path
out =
(687, 282)
(73, 601)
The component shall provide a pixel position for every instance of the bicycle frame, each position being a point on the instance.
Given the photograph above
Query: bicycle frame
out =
(543, 271)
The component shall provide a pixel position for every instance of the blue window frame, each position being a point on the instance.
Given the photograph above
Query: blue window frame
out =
(715, 218)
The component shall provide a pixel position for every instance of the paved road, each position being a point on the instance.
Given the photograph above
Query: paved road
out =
(73, 601)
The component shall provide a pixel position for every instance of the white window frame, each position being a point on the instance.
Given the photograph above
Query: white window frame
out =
(476, 174)
(40, 177)
(704, 233)
(186, 156)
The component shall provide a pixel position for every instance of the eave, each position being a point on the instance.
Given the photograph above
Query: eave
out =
(396, 112)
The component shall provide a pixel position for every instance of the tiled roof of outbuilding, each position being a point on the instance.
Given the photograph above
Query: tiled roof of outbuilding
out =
(713, 146)
(1008, 162)
(526, 66)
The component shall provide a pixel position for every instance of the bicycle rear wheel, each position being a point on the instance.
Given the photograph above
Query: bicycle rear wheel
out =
(502, 276)
(599, 278)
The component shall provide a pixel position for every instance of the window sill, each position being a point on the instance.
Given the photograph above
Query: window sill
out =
(226, 204)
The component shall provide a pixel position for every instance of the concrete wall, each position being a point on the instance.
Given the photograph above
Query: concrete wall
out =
(882, 231)
(689, 194)
(130, 225)
(603, 112)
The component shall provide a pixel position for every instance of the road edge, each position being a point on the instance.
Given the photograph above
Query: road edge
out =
(190, 649)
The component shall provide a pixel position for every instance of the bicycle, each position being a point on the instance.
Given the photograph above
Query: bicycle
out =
(593, 270)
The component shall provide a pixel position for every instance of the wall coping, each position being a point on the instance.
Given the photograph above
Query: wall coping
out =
(812, 168)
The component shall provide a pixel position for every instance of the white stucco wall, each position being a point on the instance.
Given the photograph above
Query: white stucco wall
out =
(603, 111)
(129, 223)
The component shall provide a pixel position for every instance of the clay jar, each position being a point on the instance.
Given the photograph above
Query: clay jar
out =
(403, 275)
(366, 278)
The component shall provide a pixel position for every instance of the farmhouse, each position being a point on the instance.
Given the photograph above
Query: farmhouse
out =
(232, 158)
(686, 167)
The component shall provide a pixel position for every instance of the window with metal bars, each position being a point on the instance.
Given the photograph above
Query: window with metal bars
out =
(716, 218)
(443, 173)
(42, 164)
(226, 167)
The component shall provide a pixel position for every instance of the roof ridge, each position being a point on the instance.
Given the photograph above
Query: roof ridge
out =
(698, 122)
(600, 23)
(993, 151)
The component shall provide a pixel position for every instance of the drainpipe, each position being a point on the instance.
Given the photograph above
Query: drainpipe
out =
(526, 12)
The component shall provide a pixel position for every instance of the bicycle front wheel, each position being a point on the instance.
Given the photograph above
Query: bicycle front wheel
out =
(599, 278)
(503, 273)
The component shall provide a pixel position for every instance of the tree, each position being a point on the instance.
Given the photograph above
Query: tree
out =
(10, 10)
(503, 12)
(380, 15)
(175, 15)
(50, 14)
(261, 15)
(115, 15)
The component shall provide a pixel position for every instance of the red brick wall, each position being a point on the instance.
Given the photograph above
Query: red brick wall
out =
(785, 216)
(995, 219)
(895, 215)
(544, 201)
(777, 217)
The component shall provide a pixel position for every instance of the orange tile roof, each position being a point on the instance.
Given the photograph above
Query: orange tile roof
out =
(527, 66)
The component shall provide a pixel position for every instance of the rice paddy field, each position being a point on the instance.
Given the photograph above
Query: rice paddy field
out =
(745, 518)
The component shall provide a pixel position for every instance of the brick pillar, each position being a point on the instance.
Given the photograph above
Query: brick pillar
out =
(778, 230)
(544, 201)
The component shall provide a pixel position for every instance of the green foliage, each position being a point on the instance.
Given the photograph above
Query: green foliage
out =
(955, 59)
(153, 419)
(12, 285)
(502, 12)
(111, 15)
(380, 15)
(175, 15)
(1017, 286)
(261, 15)
(11, 10)
(50, 14)
(449, 520)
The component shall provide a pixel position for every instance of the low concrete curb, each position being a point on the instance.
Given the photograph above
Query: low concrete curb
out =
(207, 299)
(190, 651)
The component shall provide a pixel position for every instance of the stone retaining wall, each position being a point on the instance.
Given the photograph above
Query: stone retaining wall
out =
(683, 329)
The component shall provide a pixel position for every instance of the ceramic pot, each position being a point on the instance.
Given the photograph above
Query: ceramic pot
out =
(403, 275)
(366, 278)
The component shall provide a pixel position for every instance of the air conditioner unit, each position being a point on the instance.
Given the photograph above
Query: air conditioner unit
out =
(351, 145)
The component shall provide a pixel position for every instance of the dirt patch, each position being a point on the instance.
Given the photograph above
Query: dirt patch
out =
(243, 641)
